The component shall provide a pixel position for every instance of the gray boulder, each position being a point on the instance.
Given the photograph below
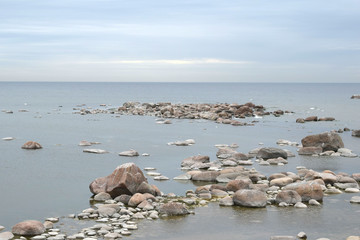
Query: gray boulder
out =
(250, 198)
(269, 152)
(28, 228)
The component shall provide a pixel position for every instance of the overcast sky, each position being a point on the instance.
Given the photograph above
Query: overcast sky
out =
(183, 40)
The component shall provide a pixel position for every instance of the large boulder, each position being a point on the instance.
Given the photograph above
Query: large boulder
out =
(31, 145)
(124, 180)
(173, 209)
(328, 141)
(28, 228)
(307, 190)
(250, 198)
(269, 152)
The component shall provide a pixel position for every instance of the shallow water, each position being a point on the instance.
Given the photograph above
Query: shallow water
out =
(54, 181)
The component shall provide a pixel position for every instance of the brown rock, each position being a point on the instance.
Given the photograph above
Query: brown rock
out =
(136, 199)
(124, 180)
(288, 196)
(188, 162)
(205, 176)
(356, 176)
(173, 209)
(276, 175)
(327, 119)
(235, 185)
(28, 228)
(250, 198)
(306, 190)
(355, 133)
(311, 119)
(281, 182)
(31, 145)
(300, 120)
(310, 150)
(327, 141)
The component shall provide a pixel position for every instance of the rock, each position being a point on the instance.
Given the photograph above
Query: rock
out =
(355, 199)
(346, 185)
(6, 235)
(302, 235)
(226, 201)
(95, 150)
(105, 211)
(8, 138)
(353, 238)
(356, 176)
(300, 120)
(314, 202)
(300, 205)
(327, 119)
(28, 228)
(281, 182)
(84, 143)
(124, 198)
(130, 153)
(173, 209)
(311, 119)
(276, 161)
(344, 152)
(355, 96)
(238, 184)
(188, 162)
(282, 238)
(124, 180)
(31, 145)
(267, 153)
(310, 150)
(306, 190)
(205, 176)
(355, 133)
(1, 228)
(288, 196)
(328, 178)
(161, 178)
(327, 141)
(136, 199)
(145, 187)
(111, 236)
(184, 176)
(250, 198)
(218, 193)
(103, 196)
(48, 224)
(283, 142)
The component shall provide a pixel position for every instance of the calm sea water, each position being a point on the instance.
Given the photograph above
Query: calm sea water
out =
(54, 181)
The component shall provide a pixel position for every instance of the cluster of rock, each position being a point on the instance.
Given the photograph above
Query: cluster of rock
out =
(314, 119)
(324, 144)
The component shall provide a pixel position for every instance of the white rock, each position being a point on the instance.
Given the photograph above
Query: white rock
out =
(153, 173)
(130, 153)
(53, 219)
(145, 154)
(352, 190)
(184, 176)
(355, 199)
(149, 168)
(300, 205)
(314, 202)
(8, 138)
(94, 150)
(161, 178)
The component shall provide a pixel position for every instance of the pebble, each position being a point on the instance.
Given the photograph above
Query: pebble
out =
(300, 205)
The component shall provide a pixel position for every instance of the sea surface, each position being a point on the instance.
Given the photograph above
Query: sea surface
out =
(54, 181)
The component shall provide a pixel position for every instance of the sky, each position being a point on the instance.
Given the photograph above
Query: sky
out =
(180, 41)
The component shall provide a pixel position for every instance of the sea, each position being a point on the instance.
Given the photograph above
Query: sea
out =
(54, 181)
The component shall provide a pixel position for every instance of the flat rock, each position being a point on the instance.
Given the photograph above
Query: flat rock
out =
(84, 143)
(95, 150)
(205, 176)
(129, 153)
(8, 138)
(184, 176)
(282, 238)
(161, 178)
(355, 199)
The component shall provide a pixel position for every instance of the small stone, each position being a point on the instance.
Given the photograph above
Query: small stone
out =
(300, 205)
(301, 235)
(145, 154)
(314, 202)
(52, 219)
(84, 143)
